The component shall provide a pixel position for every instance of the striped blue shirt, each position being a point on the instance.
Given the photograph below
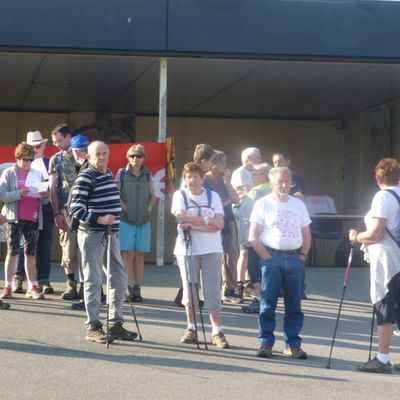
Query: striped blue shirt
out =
(104, 199)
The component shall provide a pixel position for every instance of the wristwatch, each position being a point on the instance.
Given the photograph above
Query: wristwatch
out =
(206, 220)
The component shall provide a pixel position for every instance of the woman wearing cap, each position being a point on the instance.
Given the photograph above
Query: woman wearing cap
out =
(24, 217)
(381, 250)
(137, 201)
(43, 249)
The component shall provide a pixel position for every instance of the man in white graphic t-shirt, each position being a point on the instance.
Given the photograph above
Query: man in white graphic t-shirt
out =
(280, 234)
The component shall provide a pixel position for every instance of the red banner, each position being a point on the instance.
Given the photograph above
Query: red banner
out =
(155, 160)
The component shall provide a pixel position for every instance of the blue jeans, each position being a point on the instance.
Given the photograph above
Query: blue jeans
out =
(285, 271)
(43, 249)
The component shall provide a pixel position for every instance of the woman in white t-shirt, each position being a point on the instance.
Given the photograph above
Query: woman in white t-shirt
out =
(201, 217)
(381, 250)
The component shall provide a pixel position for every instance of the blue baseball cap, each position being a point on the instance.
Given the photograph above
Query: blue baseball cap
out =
(79, 142)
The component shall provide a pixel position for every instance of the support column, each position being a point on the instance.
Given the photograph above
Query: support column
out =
(162, 134)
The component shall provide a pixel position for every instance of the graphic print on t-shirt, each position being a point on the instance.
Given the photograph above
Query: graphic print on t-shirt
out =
(285, 224)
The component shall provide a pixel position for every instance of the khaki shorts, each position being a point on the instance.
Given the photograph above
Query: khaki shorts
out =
(208, 266)
(69, 248)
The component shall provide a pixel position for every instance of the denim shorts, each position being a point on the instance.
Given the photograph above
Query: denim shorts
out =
(134, 237)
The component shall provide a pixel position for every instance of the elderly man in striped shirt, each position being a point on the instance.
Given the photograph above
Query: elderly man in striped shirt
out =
(96, 203)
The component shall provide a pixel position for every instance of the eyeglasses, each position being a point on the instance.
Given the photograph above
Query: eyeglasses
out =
(57, 142)
(37, 147)
(27, 159)
(136, 156)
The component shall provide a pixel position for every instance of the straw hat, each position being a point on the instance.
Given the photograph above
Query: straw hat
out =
(35, 138)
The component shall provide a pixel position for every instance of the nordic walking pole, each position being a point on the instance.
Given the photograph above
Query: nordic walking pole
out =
(187, 238)
(134, 317)
(372, 332)
(346, 277)
(108, 233)
(198, 298)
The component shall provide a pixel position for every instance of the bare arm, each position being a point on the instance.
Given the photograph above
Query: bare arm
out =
(374, 234)
(215, 224)
(305, 248)
(254, 240)
(232, 194)
(58, 217)
(153, 198)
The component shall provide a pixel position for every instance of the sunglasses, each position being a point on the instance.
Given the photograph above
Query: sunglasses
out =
(27, 159)
(37, 147)
(136, 156)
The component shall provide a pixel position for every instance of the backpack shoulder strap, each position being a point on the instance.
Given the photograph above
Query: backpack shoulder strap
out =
(394, 194)
(209, 198)
(183, 193)
(398, 200)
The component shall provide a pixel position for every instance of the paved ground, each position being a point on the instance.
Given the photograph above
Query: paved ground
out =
(44, 353)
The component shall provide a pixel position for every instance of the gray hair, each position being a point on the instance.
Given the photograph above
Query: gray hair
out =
(279, 171)
(262, 169)
(250, 151)
(219, 156)
(92, 146)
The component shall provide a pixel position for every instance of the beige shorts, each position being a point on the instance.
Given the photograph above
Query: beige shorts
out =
(69, 248)
(208, 268)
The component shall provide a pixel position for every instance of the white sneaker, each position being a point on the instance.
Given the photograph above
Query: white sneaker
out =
(396, 333)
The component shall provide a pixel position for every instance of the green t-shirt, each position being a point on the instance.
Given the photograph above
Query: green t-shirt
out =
(65, 166)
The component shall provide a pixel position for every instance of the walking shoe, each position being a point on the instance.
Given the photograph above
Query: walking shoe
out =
(17, 284)
(252, 308)
(375, 366)
(396, 332)
(47, 288)
(4, 306)
(295, 352)
(219, 340)
(80, 306)
(98, 335)
(239, 290)
(136, 296)
(6, 293)
(396, 367)
(264, 351)
(70, 292)
(248, 289)
(231, 297)
(34, 293)
(190, 336)
(118, 332)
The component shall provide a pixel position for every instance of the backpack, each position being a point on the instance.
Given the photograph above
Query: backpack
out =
(72, 222)
(187, 206)
(398, 199)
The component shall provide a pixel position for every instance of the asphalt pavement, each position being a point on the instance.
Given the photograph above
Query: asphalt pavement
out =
(45, 355)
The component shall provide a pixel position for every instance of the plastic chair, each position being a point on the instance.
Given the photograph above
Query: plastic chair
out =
(325, 229)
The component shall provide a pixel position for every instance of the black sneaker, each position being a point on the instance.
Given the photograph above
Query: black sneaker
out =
(47, 288)
(80, 306)
(264, 351)
(118, 332)
(295, 352)
(231, 297)
(252, 308)
(239, 290)
(98, 335)
(375, 366)
(4, 306)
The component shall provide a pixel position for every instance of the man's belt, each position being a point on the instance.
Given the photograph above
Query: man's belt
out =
(287, 252)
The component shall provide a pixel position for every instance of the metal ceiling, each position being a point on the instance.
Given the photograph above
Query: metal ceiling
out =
(196, 87)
